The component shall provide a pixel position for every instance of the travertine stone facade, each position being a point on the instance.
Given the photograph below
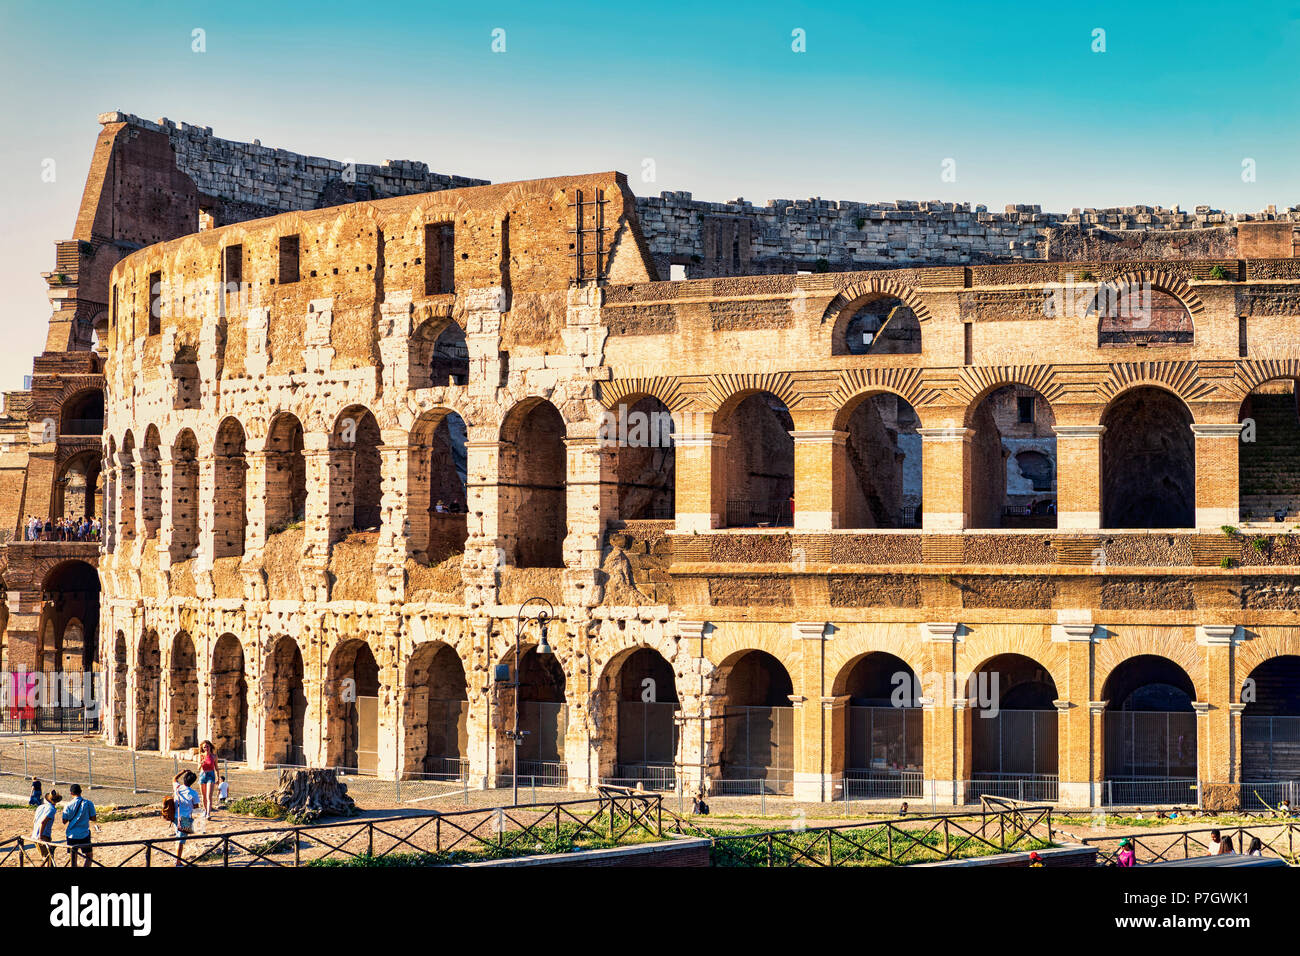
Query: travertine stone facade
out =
(348, 619)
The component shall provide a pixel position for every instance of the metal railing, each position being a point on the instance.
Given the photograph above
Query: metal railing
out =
(537, 773)
(1033, 787)
(1149, 791)
(648, 776)
(1279, 839)
(882, 784)
(922, 839)
(427, 838)
(756, 513)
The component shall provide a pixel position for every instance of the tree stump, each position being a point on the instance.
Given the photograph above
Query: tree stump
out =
(311, 794)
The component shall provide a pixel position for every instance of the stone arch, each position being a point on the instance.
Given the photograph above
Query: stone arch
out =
(543, 715)
(183, 699)
(286, 473)
(121, 670)
(641, 429)
(1270, 720)
(638, 703)
(759, 472)
(882, 461)
(880, 724)
(1007, 422)
(1142, 309)
(72, 592)
(437, 485)
(1150, 730)
(230, 498)
(352, 707)
(185, 496)
(531, 484)
(439, 354)
(149, 475)
(356, 467)
(1148, 461)
(228, 722)
(1268, 467)
(436, 711)
(286, 703)
(82, 412)
(78, 488)
(126, 484)
(148, 691)
(849, 302)
(1013, 726)
(757, 726)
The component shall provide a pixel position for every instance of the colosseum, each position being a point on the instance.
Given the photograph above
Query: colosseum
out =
(875, 500)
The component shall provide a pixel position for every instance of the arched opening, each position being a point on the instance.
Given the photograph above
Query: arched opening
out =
(230, 506)
(1270, 728)
(229, 701)
(1150, 730)
(286, 710)
(286, 474)
(883, 463)
(883, 727)
(148, 681)
(70, 618)
(352, 708)
(437, 713)
(79, 492)
(1013, 730)
(120, 670)
(1268, 466)
(532, 487)
(185, 497)
(757, 726)
(543, 719)
(1137, 314)
(877, 324)
(1013, 460)
(646, 461)
(356, 466)
(149, 475)
(645, 691)
(437, 487)
(759, 462)
(83, 413)
(126, 483)
(184, 694)
(439, 355)
(1148, 461)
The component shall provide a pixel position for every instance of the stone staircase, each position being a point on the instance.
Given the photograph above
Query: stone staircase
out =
(1270, 465)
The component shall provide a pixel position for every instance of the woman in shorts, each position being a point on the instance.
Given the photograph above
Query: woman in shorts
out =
(207, 776)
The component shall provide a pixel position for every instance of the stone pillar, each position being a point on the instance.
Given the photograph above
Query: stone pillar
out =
(814, 780)
(946, 730)
(1097, 758)
(108, 518)
(395, 507)
(388, 657)
(170, 543)
(328, 509)
(591, 500)
(697, 761)
(1075, 741)
(1217, 749)
(701, 492)
(1217, 498)
(256, 494)
(206, 531)
(1078, 476)
(820, 470)
(945, 477)
(486, 542)
(148, 487)
(125, 493)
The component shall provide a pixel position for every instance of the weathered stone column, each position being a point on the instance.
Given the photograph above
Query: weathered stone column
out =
(125, 492)
(812, 774)
(1097, 755)
(945, 477)
(1078, 476)
(485, 544)
(701, 493)
(395, 506)
(946, 727)
(591, 500)
(170, 543)
(1073, 720)
(820, 470)
(256, 494)
(388, 657)
(1217, 494)
(697, 761)
(1217, 749)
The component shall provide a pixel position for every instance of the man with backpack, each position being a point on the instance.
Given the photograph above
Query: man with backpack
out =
(78, 815)
(179, 809)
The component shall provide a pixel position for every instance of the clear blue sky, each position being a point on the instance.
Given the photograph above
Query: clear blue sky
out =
(884, 93)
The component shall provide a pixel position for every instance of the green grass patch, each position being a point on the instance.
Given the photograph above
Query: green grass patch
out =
(866, 846)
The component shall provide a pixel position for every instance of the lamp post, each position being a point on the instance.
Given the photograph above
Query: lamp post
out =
(515, 734)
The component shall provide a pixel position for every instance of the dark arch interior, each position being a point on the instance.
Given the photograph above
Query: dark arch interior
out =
(229, 717)
(356, 706)
(758, 728)
(184, 698)
(883, 325)
(647, 731)
(883, 453)
(884, 729)
(1013, 460)
(879, 679)
(71, 593)
(1148, 462)
(1014, 745)
(286, 710)
(286, 474)
(83, 414)
(643, 433)
(1150, 730)
(532, 484)
(1268, 468)
(437, 710)
(1149, 683)
(366, 465)
(760, 463)
(758, 679)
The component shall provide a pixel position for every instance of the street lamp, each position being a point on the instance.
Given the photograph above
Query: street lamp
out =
(503, 677)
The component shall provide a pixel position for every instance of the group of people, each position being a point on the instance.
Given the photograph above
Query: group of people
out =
(61, 529)
(1219, 844)
(78, 815)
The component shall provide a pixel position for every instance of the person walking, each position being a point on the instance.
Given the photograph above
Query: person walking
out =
(78, 815)
(43, 826)
(186, 801)
(207, 775)
(1126, 855)
(34, 800)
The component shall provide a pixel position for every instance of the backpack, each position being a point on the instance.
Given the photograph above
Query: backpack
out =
(169, 809)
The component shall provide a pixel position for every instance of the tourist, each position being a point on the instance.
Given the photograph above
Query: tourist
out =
(1216, 844)
(1035, 859)
(1284, 808)
(43, 826)
(207, 775)
(78, 815)
(187, 801)
(223, 791)
(902, 811)
(1256, 847)
(1126, 856)
(440, 508)
(35, 799)
(1226, 845)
